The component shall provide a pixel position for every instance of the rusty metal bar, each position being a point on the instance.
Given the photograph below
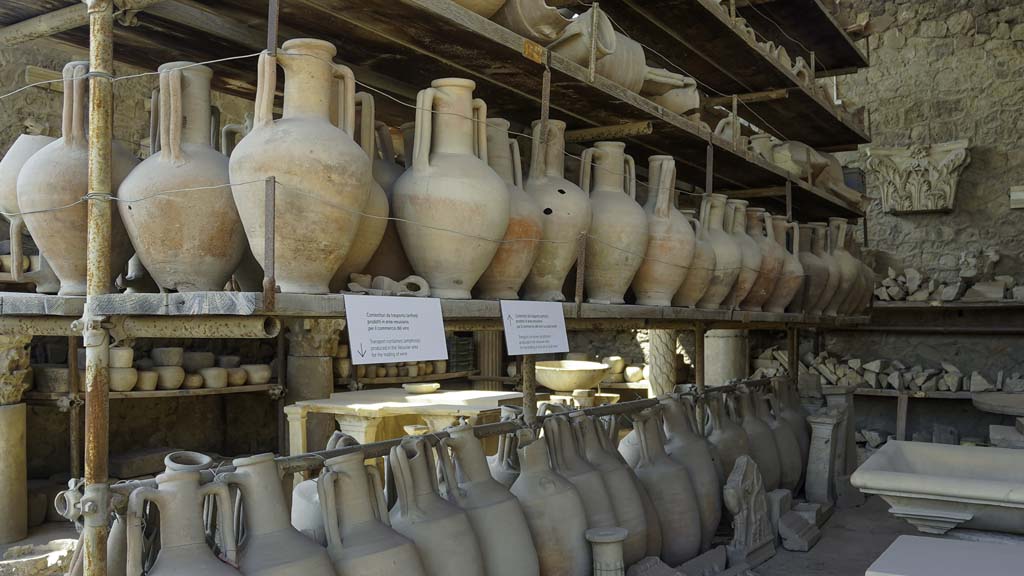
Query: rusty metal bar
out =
(74, 430)
(96, 502)
(74, 16)
(528, 368)
(616, 132)
(38, 325)
(581, 269)
(709, 170)
(592, 65)
(203, 327)
(273, 17)
(789, 200)
(793, 352)
(748, 98)
(269, 232)
(698, 355)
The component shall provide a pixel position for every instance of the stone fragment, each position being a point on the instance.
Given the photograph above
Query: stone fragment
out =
(780, 502)
(855, 364)
(634, 373)
(1019, 423)
(949, 367)
(652, 566)
(942, 434)
(891, 273)
(882, 294)
(871, 379)
(999, 380)
(1005, 437)
(753, 540)
(1009, 281)
(921, 295)
(897, 292)
(1018, 293)
(797, 533)
(812, 512)
(930, 385)
(874, 438)
(889, 282)
(710, 563)
(980, 384)
(914, 279)
(894, 381)
(953, 292)
(873, 366)
(985, 292)
(952, 380)
(897, 365)
(827, 373)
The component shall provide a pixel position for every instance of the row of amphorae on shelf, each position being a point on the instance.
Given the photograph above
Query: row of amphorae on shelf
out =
(461, 215)
(522, 512)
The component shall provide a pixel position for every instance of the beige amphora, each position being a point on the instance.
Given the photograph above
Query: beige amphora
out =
(442, 532)
(567, 461)
(687, 447)
(496, 516)
(820, 248)
(389, 260)
(453, 208)
(728, 440)
(728, 257)
(553, 509)
(763, 448)
(565, 214)
(10, 167)
(323, 176)
(355, 514)
(375, 212)
(671, 242)
(514, 259)
(177, 204)
(617, 241)
(52, 183)
(271, 546)
(816, 274)
(750, 252)
(791, 277)
(181, 499)
(702, 267)
(849, 268)
(773, 256)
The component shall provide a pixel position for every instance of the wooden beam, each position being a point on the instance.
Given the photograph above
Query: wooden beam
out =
(615, 132)
(763, 96)
(769, 192)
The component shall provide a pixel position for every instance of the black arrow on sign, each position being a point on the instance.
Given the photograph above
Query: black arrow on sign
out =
(362, 353)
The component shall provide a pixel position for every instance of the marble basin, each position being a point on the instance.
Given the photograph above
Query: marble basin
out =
(938, 487)
(569, 375)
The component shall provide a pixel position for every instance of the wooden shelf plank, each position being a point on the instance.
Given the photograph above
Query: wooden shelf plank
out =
(345, 382)
(936, 395)
(47, 397)
(805, 26)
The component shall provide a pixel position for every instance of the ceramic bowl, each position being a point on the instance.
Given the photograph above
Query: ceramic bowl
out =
(258, 373)
(569, 375)
(616, 364)
(237, 377)
(147, 381)
(192, 381)
(423, 388)
(215, 377)
(167, 356)
(121, 357)
(193, 362)
(169, 377)
(228, 361)
(440, 366)
(123, 379)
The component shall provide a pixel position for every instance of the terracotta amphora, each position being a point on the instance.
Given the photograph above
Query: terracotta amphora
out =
(565, 210)
(590, 32)
(702, 268)
(533, 19)
(117, 539)
(854, 298)
(791, 278)
(355, 514)
(763, 448)
(690, 449)
(617, 240)
(750, 252)
(10, 166)
(504, 463)
(194, 240)
(514, 259)
(374, 219)
(553, 509)
(821, 250)
(727, 438)
(306, 515)
(454, 208)
(728, 257)
(620, 482)
(773, 256)
(797, 422)
(671, 241)
(869, 283)
(671, 491)
(57, 176)
(389, 260)
(848, 267)
(498, 520)
(790, 460)
(567, 461)
(180, 500)
(441, 530)
(271, 546)
(323, 176)
(816, 274)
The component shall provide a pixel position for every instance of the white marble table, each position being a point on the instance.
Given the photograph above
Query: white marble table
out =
(921, 556)
(361, 413)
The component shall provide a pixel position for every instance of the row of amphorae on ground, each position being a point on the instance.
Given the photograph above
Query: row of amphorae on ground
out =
(522, 512)
(459, 214)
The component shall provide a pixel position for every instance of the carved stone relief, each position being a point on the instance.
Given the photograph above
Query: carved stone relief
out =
(920, 178)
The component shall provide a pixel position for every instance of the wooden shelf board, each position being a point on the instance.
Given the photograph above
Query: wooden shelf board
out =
(344, 382)
(180, 393)
(936, 395)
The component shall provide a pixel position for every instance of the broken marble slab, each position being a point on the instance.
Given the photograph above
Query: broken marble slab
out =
(710, 563)
(798, 535)
(1005, 437)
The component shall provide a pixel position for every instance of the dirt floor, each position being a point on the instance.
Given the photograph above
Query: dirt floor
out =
(850, 542)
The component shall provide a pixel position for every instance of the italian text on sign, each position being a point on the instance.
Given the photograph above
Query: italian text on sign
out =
(534, 327)
(383, 329)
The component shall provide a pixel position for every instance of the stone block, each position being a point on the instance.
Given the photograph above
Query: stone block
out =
(1005, 437)
(1019, 424)
(798, 535)
(949, 367)
(874, 438)
(871, 379)
(779, 503)
(985, 292)
(953, 292)
(952, 381)
(920, 295)
(980, 384)
(652, 566)
(873, 366)
(914, 279)
(942, 434)
(1018, 293)
(894, 381)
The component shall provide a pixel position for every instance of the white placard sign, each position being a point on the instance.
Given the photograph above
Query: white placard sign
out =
(534, 327)
(384, 329)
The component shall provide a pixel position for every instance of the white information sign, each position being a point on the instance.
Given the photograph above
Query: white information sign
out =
(384, 329)
(534, 327)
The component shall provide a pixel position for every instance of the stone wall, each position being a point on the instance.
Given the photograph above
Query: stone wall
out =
(229, 425)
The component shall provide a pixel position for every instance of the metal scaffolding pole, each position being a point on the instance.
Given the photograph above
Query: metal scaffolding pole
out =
(96, 501)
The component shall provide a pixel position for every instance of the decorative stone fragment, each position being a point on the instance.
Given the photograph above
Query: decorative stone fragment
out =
(920, 178)
(820, 479)
(797, 533)
(15, 373)
(753, 541)
(779, 503)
